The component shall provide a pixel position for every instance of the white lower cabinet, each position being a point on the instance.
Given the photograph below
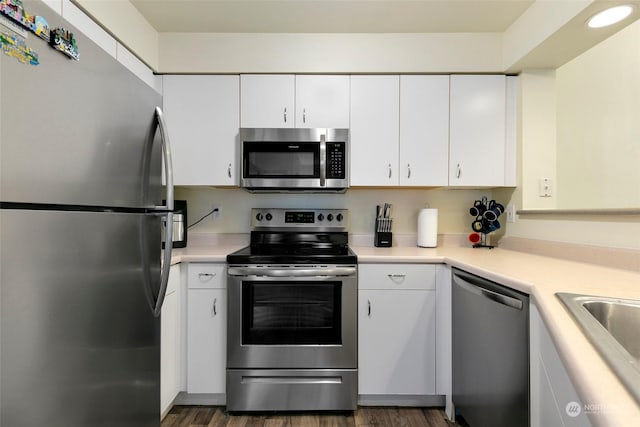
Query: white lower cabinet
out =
(396, 330)
(170, 342)
(554, 400)
(206, 328)
(444, 386)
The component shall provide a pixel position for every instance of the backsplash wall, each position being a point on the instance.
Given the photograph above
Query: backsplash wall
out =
(235, 205)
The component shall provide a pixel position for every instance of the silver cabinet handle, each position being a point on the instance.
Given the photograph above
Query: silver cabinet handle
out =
(214, 310)
(458, 171)
(206, 276)
(408, 170)
(389, 167)
(229, 170)
(285, 114)
(368, 308)
(397, 278)
(304, 115)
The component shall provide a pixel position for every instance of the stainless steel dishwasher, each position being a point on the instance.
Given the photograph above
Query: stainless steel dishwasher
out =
(490, 352)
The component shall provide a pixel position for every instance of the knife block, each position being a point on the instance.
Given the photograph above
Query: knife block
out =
(382, 239)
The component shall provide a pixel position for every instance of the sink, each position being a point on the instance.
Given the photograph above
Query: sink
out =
(612, 325)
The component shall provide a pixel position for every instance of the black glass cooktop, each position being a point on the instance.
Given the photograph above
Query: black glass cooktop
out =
(273, 247)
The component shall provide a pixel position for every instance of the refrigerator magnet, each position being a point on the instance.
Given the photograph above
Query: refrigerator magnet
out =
(63, 40)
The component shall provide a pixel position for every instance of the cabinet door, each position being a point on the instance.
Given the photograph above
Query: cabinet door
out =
(170, 342)
(553, 397)
(374, 130)
(322, 101)
(396, 342)
(267, 101)
(477, 131)
(424, 130)
(206, 340)
(202, 115)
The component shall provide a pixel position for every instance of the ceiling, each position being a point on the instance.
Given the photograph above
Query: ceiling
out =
(331, 16)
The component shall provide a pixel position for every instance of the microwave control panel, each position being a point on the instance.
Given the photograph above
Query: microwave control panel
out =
(335, 160)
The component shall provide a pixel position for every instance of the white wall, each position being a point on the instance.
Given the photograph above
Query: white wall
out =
(542, 121)
(235, 204)
(598, 132)
(329, 53)
(537, 135)
(124, 21)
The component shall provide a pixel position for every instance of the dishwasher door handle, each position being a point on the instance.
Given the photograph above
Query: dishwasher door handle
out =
(492, 295)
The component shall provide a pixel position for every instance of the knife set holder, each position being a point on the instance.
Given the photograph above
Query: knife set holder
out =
(383, 234)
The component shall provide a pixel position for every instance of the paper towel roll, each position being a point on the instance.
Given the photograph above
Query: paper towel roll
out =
(428, 228)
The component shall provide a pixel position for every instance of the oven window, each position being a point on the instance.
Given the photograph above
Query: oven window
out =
(285, 313)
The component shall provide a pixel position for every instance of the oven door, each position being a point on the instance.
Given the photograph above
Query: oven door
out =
(292, 317)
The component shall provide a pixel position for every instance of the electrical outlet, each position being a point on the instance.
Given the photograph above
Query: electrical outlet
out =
(545, 187)
(217, 211)
(511, 213)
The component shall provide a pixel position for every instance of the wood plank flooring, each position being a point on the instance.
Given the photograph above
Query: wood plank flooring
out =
(215, 416)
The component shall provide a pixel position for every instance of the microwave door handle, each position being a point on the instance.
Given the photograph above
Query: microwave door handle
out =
(323, 161)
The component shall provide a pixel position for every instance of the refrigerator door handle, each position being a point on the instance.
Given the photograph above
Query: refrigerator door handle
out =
(166, 266)
(167, 210)
(168, 166)
(168, 172)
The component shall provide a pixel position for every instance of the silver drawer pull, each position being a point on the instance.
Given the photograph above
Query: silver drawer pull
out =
(397, 278)
(214, 310)
(206, 276)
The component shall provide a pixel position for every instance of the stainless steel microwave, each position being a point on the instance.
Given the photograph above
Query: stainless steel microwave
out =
(294, 160)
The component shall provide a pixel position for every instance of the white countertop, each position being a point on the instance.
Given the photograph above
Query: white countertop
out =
(539, 276)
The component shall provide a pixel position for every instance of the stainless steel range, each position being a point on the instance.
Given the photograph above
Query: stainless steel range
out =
(292, 325)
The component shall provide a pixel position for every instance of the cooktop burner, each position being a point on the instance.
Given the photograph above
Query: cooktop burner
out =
(297, 236)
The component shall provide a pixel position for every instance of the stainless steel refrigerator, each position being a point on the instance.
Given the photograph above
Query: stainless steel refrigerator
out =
(81, 275)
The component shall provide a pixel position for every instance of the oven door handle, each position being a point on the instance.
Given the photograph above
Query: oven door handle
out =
(287, 272)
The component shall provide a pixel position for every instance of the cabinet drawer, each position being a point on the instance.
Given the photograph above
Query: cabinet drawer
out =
(207, 276)
(396, 276)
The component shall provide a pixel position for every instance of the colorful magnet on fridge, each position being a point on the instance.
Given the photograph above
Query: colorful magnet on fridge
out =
(16, 47)
(63, 40)
(41, 28)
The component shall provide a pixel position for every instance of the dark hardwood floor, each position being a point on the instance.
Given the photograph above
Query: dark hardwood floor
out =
(215, 416)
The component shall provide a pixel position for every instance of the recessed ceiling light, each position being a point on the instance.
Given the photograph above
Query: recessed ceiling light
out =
(610, 16)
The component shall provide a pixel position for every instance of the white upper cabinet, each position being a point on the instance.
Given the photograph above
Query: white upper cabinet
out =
(322, 101)
(374, 130)
(424, 130)
(202, 115)
(286, 100)
(477, 141)
(267, 101)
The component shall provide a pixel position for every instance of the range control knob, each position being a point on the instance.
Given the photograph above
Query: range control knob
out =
(339, 217)
(269, 217)
(320, 217)
(259, 217)
(330, 217)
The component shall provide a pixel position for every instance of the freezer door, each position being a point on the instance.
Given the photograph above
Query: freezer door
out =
(75, 132)
(79, 343)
